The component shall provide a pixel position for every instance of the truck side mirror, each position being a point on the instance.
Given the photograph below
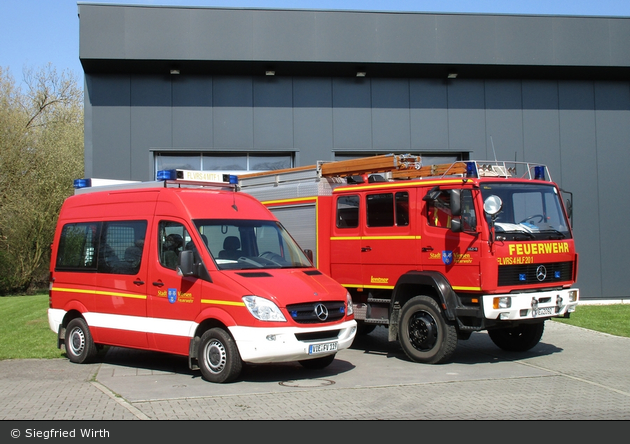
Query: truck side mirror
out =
(456, 202)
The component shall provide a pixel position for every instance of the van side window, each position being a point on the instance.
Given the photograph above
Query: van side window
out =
(121, 246)
(172, 238)
(348, 211)
(439, 210)
(77, 247)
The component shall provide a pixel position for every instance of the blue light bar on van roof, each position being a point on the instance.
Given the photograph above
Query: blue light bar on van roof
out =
(197, 176)
(82, 183)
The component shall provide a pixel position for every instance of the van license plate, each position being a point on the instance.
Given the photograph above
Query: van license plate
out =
(322, 348)
(546, 311)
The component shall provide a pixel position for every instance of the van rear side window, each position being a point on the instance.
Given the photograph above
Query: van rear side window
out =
(103, 247)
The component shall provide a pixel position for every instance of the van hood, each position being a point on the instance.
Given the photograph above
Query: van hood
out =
(289, 286)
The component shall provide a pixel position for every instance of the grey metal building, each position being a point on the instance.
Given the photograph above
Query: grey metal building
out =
(252, 89)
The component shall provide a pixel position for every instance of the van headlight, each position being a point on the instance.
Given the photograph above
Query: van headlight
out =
(349, 302)
(263, 309)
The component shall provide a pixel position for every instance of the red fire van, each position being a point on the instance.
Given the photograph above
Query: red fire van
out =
(187, 265)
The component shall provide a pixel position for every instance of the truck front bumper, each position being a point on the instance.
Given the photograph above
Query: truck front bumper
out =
(536, 305)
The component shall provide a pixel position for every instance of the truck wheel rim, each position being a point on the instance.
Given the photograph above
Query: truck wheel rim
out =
(215, 356)
(422, 331)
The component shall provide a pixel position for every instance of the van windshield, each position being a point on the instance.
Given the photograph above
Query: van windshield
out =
(246, 244)
(529, 211)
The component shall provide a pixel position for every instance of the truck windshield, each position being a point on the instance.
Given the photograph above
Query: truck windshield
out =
(246, 244)
(529, 211)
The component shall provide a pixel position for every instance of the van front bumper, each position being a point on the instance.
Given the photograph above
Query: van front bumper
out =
(281, 344)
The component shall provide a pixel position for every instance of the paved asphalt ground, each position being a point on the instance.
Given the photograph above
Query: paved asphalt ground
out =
(573, 374)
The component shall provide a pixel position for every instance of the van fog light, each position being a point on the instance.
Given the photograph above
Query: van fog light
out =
(271, 337)
(501, 302)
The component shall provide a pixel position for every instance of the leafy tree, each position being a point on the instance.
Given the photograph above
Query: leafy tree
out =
(41, 152)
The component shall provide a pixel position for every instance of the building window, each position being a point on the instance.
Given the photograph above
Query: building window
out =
(233, 163)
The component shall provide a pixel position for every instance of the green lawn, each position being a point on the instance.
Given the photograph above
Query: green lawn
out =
(24, 332)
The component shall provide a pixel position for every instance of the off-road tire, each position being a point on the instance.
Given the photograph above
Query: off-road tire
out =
(424, 334)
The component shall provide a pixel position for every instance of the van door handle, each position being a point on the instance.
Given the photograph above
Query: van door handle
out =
(364, 249)
(158, 284)
(429, 248)
(138, 282)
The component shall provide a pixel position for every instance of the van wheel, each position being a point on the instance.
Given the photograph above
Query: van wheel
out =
(517, 339)
(218, 357)
(317, 363)
(79, 345)
(424, 334)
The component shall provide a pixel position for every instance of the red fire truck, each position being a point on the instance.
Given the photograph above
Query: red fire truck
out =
(434, 252)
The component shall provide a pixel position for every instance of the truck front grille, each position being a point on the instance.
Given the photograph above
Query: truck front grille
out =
(317, 312)
(541, 273)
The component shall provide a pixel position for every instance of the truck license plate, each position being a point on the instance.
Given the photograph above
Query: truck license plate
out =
(314, 349)
(545, 311)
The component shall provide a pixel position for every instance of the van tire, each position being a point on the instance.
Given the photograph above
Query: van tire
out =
(218, 357)
(317, 363)
(517, 339)
(424, 333)
(79, 344)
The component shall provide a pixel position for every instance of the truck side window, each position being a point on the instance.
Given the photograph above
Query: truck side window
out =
(402, 208)
(382, 208)
(77, 246)
(121, 246)
(469, 216)
(172, 237)
(348, 211)
(439, 210)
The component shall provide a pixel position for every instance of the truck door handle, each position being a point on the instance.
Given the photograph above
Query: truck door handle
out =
(429, 248)
(138, 282)
(364, 249)
(158, 284)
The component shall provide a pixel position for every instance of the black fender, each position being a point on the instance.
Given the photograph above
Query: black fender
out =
(442, 290)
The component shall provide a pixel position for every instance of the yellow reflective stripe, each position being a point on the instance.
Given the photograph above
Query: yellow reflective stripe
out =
(101, 293)
(467, 288)
(288, 201)
(375, 237)
(410, 184)
(216, 302)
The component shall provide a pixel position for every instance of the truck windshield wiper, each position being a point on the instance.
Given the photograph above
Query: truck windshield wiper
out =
(560, 234)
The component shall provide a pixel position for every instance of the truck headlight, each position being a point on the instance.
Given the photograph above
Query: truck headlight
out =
(263, 309)
(501, 302)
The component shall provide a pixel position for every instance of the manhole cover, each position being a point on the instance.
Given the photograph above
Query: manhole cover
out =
(307, 383)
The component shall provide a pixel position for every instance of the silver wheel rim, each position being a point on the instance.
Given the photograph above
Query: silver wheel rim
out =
(77, 341)
(215, 356)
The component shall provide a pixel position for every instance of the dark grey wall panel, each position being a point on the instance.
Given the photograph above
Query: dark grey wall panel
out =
(273, 113)
(612, 120)
(312, 114)
(428, 101)
(352, 114)
(578, 150)
(390, 115)
(192, 112)
(466, 117)
(504, 120)
(233, 114)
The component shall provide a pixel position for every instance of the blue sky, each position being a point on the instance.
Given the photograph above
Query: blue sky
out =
(34, 33)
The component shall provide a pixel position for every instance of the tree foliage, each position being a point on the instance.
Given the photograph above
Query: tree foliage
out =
(41, 152)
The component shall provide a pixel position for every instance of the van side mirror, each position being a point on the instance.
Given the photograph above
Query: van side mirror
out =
(185, 263)
(309, 255)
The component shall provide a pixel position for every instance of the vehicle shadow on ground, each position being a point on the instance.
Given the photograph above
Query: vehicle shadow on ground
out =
(144, 361)
(478, 349)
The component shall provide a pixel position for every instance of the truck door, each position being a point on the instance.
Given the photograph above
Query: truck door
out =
(173, 300)
(388, 244)
(454, 254)
(345, 241)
